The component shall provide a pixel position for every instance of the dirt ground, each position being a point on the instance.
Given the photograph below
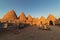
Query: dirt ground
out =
(32, 33)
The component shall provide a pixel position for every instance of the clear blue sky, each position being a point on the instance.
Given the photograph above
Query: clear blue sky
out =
(36, 8)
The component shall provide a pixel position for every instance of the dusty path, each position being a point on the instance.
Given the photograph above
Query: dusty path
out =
(33, 33)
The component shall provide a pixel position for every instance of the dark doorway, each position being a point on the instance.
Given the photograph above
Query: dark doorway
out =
(41, 22)
(51, 23)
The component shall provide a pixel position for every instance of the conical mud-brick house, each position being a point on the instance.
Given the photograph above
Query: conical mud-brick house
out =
(43, 20)
(36, 21)
(51, 19)
(10, 16)
(22, 17)
(29, 19)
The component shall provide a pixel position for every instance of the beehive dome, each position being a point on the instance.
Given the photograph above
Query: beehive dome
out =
(11, 15)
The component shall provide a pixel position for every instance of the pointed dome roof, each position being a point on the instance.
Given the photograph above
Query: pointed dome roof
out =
(22, 16)
(42, 18)
(29, 17)
(51, 17)
(11, 15)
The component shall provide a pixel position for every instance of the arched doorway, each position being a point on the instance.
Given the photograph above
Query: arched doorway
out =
(50, 23)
